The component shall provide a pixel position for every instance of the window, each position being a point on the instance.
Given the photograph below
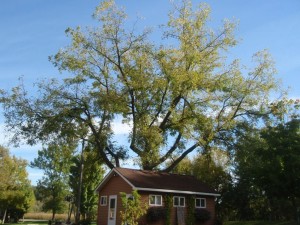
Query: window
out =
(178, 201)
(200, 202)
(112, 208)
(103, 200)
(129, 196)
(155, 200)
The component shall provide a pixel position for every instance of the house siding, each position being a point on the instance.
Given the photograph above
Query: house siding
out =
(114, 186)
(210, 206)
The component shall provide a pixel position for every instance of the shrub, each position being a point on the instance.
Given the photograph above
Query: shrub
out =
(156, 213)
(85, 222)
(133, 208)
(202, 215)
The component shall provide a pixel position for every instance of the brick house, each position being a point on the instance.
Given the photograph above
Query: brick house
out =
(153, 188)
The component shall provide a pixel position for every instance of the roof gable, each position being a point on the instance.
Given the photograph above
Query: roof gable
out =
(161, 182)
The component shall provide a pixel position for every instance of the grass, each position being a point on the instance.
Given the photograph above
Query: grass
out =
(44, 216)
(41, 218)
(43, 222)
(35, 222)
(261, 223)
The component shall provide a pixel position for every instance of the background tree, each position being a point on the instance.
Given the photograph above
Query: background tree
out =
(16, 194)
(53, 187)
(178, 96)
(267, 161)
(212, 169)
(92, 174)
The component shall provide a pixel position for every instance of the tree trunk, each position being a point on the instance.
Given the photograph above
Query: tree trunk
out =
(296, 216)
(69, 213)
(53, 215)
(4, 216)
(78, 203)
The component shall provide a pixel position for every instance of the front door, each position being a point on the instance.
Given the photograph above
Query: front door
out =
(112, 210)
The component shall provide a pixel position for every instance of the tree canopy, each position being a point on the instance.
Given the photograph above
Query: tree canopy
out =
(267, 164)
(16, 194)
(52, 188)
(91, 171)
(177, 97)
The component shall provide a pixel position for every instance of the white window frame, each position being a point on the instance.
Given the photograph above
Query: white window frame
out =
(103, 200)
(179, 197)
(129, 196)
(200, 206)
(155, 200)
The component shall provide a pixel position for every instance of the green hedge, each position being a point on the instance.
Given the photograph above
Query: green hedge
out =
(261, 223)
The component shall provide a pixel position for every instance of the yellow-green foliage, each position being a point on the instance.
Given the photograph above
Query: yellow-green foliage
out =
(133, 208)
(177, 96)
(169, 205)
(190, 210)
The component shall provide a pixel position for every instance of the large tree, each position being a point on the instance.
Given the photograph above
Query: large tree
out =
(177, 96)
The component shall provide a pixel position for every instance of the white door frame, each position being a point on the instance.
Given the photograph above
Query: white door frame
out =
(112, 210)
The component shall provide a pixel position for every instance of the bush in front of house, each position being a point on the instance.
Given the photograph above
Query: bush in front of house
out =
(85, 222)
(202, 215)
(155, 214)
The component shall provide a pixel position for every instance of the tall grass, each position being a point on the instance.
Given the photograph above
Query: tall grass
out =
(45, 216)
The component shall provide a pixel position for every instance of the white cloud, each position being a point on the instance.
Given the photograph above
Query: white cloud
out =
(121, 128)
(4, 136)
(131, 162)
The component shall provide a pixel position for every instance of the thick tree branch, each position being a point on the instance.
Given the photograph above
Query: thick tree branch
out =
(167, 116)
(170, 151)
(181, 157)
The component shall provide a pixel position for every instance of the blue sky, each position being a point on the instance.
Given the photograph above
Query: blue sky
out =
(32, 30)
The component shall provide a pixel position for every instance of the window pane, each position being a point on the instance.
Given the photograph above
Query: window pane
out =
(200, 202)
(176, 203)
(112, 203)
(203, 203)
(103, 200)
(182, 201)
(112, 206)
(158, 200)
(152, 199)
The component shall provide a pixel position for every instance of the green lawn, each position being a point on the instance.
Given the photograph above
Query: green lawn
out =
(34, 222)
(37, 222)
(259, 223)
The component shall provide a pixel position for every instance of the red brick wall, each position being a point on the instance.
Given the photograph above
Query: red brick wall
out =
(210, 206)
(114, 186)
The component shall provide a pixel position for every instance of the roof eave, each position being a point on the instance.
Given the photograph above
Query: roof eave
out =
(108, 176)
(176, 191)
